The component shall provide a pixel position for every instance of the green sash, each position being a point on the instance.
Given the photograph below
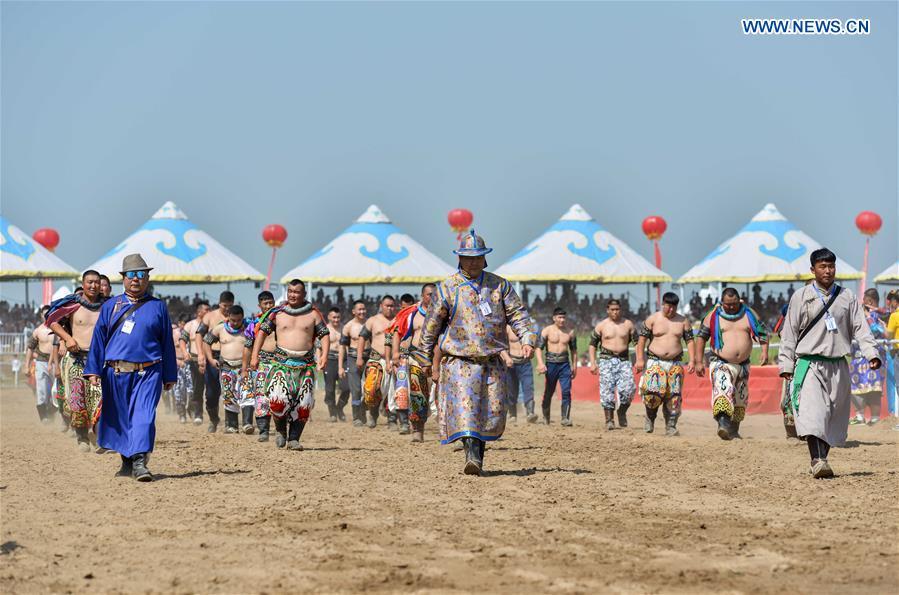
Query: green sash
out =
(800, 372)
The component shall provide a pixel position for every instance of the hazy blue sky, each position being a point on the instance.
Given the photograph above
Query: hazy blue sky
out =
(302, 113)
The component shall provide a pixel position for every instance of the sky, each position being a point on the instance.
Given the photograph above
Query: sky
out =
(250, 113)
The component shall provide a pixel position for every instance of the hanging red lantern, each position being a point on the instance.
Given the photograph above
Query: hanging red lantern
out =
(46, 237)
(460, 220)
(868, 222)
(654, 227)
(274, 235)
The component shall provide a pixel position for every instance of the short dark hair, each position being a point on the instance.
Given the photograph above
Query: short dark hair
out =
(226, 297)
(295, 282)
(334, 309)
(265, 295)
(613, 302)
(822, 255)
(873, 294)
(357, 302)
(893, 296)
(560, 312)
(105, 278)
(670, 298)
(88, 272)
(426, 285)
(407, 298)
(200, 304)
(235, 309)
(730, 292)
(388, 297)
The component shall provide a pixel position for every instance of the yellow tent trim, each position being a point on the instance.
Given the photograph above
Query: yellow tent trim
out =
(763, 278)
(363, 280)
(588, 278)
(12, 275)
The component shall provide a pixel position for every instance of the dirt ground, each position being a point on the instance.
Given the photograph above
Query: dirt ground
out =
(560, 510)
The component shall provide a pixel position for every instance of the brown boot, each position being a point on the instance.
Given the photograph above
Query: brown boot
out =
(610, 419)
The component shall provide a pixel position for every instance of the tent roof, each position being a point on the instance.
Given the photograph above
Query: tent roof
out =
(577, 248)
(768, 248)
(890, 276)
(371, 251)
(179, 252)
(23, 258)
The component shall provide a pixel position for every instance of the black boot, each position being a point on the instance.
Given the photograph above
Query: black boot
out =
(391, 421)
(139, 467)
(545, 406)
(126, 469)
(372, 417)
(649, 422)
(246, 413)
(566, 414)
(332, 413)
(622, 415)
(84, 441)
(263, 423)
(735, 430)
(294, 431)
(403, 416)
(532, 417)
(281, 428)
(42, 412)
(231, 420)
(610, 418)
(512, 412)
(670, 424)
(724, 427)
(473, 457)
(358, 416)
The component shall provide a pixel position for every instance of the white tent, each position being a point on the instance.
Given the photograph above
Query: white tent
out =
(768, 248)
(890, 276)
(370, 251)
(577, 248)
(179, 252)
(23, 258)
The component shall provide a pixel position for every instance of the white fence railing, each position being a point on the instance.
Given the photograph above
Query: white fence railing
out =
(13, 342)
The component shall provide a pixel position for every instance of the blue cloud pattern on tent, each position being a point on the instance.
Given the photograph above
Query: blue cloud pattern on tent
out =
(380, 231)
(23, 250)
(587, 229)
(777, 229)
(178, 228)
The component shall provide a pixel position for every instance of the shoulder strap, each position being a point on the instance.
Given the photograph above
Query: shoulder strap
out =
(121, 319)
(820, 314)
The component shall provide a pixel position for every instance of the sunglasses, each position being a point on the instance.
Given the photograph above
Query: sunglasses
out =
(137, 274)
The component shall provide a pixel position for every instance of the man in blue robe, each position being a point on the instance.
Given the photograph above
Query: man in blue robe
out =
(132, 355)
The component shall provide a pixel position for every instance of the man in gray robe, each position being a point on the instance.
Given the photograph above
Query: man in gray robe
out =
(821, 322)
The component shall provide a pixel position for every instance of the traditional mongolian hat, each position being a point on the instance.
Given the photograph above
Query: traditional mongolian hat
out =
(472, 245)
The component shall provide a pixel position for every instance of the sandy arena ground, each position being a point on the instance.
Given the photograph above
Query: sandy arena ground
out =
(560, 510)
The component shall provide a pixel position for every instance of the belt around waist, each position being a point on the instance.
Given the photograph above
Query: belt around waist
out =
(608, 353)
(676, 359)
(41, 357)
(123, 367)
(715, 357)
(519, 360)
(478, 359)
(233, 364)
(556, 358)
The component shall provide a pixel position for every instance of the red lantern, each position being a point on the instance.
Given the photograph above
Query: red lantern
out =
(274, 235)
(46, 237)
(460, 219)
(654, 227)
(868, 222)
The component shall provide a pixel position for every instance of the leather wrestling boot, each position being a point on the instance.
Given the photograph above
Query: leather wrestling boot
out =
(790, 428)
(610, 418)
(820, 469)
(212, 427)
(545, 407)
(332, 413)
(531, 416)
(294, 431)
(391, 421)
(418, 431)
(735, 430)
(566, 415)
(264, 424)
(372, 417)
(281, 429)
(622, 415)
(724, 428)
(512, 412)
(403, 417)
(127, 469)
(649, 421)
(341, 416)
(139, 467)
(84, 442)
(231, 422)
(473, 459)
(671, 425)
(246, 414)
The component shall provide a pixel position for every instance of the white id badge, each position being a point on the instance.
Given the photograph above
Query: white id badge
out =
(128, 326)
(484, 307)
(830, 322)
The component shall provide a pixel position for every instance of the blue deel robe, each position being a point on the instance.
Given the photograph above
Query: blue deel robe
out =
(128, 414)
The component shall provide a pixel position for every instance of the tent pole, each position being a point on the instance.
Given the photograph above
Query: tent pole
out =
(26, 293)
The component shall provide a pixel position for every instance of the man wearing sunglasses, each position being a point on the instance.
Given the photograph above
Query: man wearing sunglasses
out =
(132, 355)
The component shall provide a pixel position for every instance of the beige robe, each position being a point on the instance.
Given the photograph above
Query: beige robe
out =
(824, 396)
